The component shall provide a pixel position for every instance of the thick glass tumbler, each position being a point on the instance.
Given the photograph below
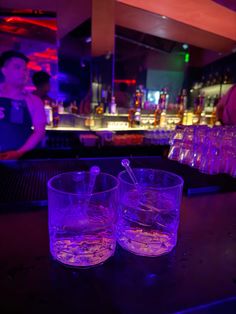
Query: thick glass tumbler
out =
(81, 220)
(149, 211)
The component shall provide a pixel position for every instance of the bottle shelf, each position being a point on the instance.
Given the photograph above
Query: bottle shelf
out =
(216, 89)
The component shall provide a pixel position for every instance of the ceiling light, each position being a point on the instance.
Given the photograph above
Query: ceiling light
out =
(88, 40)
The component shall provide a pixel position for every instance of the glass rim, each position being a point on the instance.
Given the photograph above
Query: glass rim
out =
(181, 183)
(50, 187)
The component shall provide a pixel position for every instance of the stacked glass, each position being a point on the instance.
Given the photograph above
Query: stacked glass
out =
(211, 150)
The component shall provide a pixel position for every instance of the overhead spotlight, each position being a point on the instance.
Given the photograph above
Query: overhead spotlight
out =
(163, 17)
(185, 46)
(108, 55)
(88, 40)
(82, 64)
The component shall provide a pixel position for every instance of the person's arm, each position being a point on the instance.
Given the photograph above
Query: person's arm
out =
(229, 114)
(220, 108)
(38, 117)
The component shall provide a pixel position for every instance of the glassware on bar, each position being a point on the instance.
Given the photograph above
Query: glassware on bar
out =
(81, 222)
(211, 150)
(149, 211)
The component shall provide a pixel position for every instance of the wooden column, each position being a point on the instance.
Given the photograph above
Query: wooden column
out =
(103, 27)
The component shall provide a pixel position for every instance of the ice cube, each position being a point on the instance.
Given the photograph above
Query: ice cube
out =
(141, 215)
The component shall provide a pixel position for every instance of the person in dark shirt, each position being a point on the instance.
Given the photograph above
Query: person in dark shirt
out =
(41, 81)
(19, 110)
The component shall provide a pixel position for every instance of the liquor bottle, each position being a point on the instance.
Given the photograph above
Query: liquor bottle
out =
(131, 113)
(137, 117)
(178, 100)
(157, 116)
(182, 102)
(213, 116)
(138, 99)
(166, 98)
(61, 107)
(161, 99)
(99, 109)
(180, 109)
(185, 118)
(184, 99)
(201, 101)
(55, 114)
(203, 118)
(112, 107)
(48, 112)
(142, 92)
(104, 100)
(196, 101)
(163, 119)
(199, 107)
(74, 108)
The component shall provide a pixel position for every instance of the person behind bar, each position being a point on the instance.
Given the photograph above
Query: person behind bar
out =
(19, 110)
(226, 108)
(122, 96)
(41, 81)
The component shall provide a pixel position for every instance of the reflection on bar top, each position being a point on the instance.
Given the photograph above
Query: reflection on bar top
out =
(66, 128)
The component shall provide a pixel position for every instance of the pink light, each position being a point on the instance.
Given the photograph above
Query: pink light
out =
(129, 82)
(43, 23)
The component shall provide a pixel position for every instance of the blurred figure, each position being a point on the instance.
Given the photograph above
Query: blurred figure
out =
(19, 110)
(122, 96)
(41, 81)
(226, 108)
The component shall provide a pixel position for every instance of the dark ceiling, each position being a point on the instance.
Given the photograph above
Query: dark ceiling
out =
(230, 4)
(145, 40)
(134, 37)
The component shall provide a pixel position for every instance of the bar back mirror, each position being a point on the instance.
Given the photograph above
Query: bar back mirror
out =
(74, 67)
(152, 66)
(102, 81)
(83, 78)
(33, 32)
